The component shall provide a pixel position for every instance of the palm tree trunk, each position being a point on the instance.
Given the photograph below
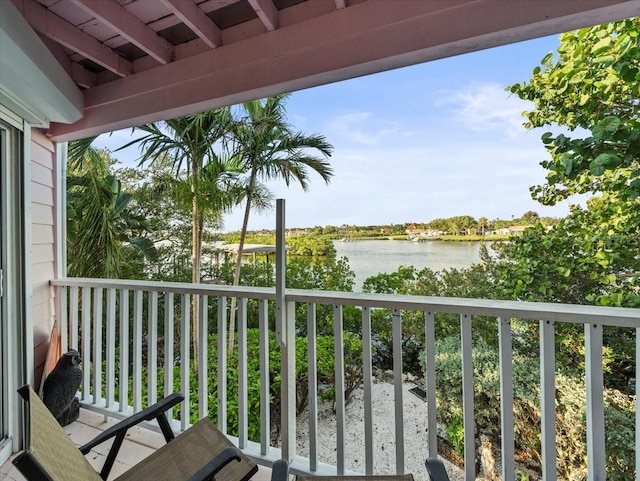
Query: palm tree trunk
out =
(236, 275)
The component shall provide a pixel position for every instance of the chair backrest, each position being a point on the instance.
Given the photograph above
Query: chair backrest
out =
(50, 454)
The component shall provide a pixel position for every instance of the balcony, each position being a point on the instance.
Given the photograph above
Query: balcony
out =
(111, 322)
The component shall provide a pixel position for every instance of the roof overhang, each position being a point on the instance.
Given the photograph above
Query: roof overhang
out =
(32, 82)
(286, 46)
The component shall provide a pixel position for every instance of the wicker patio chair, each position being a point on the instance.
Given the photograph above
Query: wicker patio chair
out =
(198, 454)
(436, 470)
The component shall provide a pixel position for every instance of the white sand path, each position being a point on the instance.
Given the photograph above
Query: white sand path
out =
(415, 433)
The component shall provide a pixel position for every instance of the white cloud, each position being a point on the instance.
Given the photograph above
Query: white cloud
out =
(484, 107)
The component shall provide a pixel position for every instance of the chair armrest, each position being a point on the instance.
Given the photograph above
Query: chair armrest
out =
(155, 411)
(436, 470)
(209, 470)
(280, 470)
(119, 431)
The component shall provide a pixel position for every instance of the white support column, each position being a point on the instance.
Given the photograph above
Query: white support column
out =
(61, 242)
(596, 458)
(286, 336)
(467, 398)
(281, 270)
(548, 399)
(506, 399)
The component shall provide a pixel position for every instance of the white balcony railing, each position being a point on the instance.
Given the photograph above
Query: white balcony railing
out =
(87, 312)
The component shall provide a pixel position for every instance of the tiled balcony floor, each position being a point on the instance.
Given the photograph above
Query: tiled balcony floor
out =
(138, 444)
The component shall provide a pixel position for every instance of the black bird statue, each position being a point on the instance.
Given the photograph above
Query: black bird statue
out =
(61, 386)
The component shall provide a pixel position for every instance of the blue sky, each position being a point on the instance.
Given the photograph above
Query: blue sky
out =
(438, 139)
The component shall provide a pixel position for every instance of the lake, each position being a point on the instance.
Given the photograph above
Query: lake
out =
(370, 257)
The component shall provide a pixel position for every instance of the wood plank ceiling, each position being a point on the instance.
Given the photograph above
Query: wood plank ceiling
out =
(144, 60)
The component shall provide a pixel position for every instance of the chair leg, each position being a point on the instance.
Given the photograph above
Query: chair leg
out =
(113, 453)
(436, 470)
(280, 470)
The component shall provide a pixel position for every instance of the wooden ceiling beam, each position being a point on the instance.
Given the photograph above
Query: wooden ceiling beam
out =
(65, 33)
(194, 18)
(267, 12)
(80, 75)
(121, 21)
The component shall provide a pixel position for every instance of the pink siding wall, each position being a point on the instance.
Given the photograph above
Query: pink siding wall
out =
(43, 198)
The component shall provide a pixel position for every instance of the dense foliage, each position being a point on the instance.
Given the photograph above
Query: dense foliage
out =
(592, 89)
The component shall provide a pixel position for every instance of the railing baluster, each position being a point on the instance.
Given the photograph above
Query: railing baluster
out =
(548, 399)
(124, 349)
(86, 342)
(111, 348)
(338, 345)
(203, 355)
(506, 399)
(185, 319)
(243, 393)
(367, 368)
(152, 348)
(288, 386)
(265, 415)
(168, 345)
(101, 341)
(137, 350)
(312, 373)
(73, 319)
(397, 383)
(467, 398)
(596, 458)
(222, 364)
(63, 317)
(432, 423)
(97, 345)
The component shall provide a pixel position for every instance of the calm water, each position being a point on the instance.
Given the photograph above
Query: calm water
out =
(370, 257)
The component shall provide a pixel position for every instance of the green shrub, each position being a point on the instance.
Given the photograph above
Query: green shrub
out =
(570, 410)
(326, 379)
(455, 433)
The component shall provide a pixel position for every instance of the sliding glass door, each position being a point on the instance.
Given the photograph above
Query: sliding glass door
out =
(5, 139)
(11, 295)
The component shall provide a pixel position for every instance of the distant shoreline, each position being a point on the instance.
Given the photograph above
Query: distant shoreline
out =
(445, 238)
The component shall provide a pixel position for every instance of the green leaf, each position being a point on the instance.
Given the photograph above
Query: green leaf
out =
(605, 127)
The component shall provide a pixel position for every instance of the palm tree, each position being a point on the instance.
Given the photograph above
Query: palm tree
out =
(483, 223)
(99, 222)
(270, 149)
(189, 142)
